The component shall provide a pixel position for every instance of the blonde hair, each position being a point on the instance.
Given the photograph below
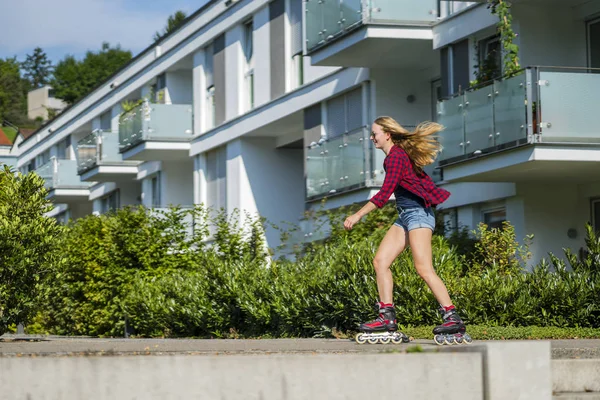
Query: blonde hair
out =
(421, 145)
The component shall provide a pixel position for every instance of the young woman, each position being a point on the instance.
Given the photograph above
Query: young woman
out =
(406, 155)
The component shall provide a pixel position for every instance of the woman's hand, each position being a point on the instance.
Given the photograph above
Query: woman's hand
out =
(351, 221)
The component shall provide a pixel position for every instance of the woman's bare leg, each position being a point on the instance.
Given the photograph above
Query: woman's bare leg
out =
(393, 243)
(420, 244)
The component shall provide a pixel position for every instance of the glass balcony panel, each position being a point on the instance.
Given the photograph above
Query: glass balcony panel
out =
(569, 103)
(46, 172)
(130, 128)
(479, 119)
(334, 163)
(451, 116)
(351, 13)
(398, 11)
(315, 171)
(331, 12)
(67, 177)
(169, 122)
(314, 23)
(354, 158)
(109, 148)
(87, 151)
(510, 110)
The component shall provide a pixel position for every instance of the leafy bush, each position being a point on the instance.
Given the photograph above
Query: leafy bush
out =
(28, 251)
(166, 280)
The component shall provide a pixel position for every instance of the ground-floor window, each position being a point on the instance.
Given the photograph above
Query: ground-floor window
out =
(494, 218)
(110, 202)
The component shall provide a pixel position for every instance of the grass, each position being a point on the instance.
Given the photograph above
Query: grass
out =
(11, 133)
(479, 332)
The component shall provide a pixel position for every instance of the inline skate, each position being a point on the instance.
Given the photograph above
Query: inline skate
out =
(452, 330)
(383, 329)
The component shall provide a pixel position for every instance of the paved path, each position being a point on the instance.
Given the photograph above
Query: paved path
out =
(15, 346)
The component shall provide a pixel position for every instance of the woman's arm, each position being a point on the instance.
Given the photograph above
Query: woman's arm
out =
(354, 218)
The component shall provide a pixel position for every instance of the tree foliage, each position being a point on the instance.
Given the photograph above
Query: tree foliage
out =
(28, 245)
(173, 23)
(13, 101)
(73, 79)
(37, 69)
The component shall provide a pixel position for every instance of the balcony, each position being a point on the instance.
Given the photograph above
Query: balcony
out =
(156, 132)
(540, 125)
(337, 165)
(370, 33)
(63, 182)
(99, 159)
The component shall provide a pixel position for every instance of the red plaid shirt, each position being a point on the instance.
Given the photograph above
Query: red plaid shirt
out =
(399, 172)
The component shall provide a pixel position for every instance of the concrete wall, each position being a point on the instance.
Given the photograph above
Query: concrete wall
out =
(176, 183)
(391, 87)
(265, 180)
(179, 87)
(554, 37)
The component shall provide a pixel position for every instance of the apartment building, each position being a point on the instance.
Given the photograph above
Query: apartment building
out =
(265, 107)
(41, 103)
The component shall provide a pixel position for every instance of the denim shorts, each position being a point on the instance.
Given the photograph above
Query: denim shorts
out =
(414, 218)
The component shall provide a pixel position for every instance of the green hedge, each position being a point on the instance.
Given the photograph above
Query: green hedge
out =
(28, 251)
(147, 269)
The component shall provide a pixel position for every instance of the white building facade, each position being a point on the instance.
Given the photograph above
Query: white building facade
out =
(265, 107)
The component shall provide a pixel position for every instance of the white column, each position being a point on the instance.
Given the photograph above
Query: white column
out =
(234, 72)
(262, 60)
(115, 113)
(239, 193)
(200, 196)
(199, 92)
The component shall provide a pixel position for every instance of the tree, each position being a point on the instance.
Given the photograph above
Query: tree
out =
(28, 245)
(37, 68)
(74, 79)
(13, 104)
(173, 23)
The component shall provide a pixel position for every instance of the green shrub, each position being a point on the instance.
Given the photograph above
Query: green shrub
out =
(149, 269)
(28, 251)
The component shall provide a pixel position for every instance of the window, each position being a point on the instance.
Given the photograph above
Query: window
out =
(216, 178)
(489, 59)
(155, 189)
(249, 73)
(594, 44)
(344, 113)
(297, 72)
(62, 149)
(596, 214)
(110, 202)
(43, 158)
(50, 93)
(160, 88)
(455, 68)
(210, 108)
(210, 87)
(494, 218)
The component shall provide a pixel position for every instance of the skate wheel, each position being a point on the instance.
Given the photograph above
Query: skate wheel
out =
(373, 340)
(439, 339)
(458, 339)
(360, 338)
(449, 340)
(385, 340)
(467, 339)
(397, 339)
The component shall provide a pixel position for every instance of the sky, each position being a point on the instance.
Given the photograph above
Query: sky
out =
(62, 27)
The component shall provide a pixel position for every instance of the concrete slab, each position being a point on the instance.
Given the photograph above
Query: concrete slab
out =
(576, 375)
(257, 377)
